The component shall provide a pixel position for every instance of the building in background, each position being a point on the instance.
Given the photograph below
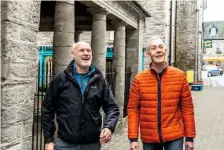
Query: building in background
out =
(213, 43)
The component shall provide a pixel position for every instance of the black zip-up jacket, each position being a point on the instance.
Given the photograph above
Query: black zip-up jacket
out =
(79, 119)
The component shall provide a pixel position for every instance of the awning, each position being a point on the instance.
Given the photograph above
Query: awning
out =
(214, 59)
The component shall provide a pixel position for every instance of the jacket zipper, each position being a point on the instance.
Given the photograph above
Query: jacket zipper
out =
(84, 94)
(159, 110)
(159, 105)
(84, 97)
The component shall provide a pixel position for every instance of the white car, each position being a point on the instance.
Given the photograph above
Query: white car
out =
(213, 70)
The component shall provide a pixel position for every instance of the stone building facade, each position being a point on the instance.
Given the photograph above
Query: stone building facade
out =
(213, 52)
(21, 22)
(123, 25)
(179, 24)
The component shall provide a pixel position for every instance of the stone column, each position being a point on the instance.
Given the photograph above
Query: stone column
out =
(77, 35)
(98, 40)
(19, 28)
(134, 49)
(63, 34)
(119, 62)
(133, 59)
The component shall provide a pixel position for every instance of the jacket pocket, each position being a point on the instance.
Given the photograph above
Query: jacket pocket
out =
(69, 125)
(92, 121)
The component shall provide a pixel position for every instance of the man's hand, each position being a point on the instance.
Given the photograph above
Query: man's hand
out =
(105, 135)
(134, 146)
(189, 145)
(49, 146)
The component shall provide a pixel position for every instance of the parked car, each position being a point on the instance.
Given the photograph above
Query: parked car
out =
(213, 70)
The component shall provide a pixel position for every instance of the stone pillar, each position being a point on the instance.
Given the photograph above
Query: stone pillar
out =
(77, 36)
(19, 28)
(98, 40)
(119, 62)
(133, 59)
(63, 34)
(134, 49)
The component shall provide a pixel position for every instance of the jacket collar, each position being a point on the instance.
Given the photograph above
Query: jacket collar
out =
(152, 69)
(93, 70)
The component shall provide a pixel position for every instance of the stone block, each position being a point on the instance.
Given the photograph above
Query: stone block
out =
(27, 143)
(16, 114)
(24, 11)
(28, 35)
(16, 51)
(17, 146)
(17, 94)
(12, 132)
(18, 71)
(27, 128)
(10, 31)
(24, 69)
(45, 38)
(16, 32)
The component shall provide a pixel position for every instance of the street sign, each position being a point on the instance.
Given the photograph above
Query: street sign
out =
(207, 44)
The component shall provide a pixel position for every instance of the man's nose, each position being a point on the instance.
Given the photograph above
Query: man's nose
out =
(158, 50)
(85, 52)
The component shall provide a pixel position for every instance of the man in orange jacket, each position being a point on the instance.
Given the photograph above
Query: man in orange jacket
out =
(160, 102)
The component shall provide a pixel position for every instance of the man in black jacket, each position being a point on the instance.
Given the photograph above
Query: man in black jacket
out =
(76, 96)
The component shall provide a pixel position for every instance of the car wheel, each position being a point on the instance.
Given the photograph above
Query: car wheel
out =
(209, 74)
(221, 72)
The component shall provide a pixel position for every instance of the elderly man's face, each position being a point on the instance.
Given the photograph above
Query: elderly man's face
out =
(157, 51)
(82, 55)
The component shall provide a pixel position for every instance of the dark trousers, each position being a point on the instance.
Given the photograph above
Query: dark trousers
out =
(171, 145)
(62, 145)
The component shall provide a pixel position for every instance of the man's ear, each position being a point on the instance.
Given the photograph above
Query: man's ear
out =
(147, 53)
(166, 50)
(73, 53)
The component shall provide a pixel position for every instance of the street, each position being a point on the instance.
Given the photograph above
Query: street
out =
(214, 81)
(209, 116)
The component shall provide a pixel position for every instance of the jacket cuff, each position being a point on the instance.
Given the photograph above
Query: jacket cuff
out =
(49, 140)
(188, 139)
(133, 140)
(109, 127)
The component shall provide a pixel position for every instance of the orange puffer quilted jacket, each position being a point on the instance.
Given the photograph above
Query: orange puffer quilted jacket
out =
(162, 106)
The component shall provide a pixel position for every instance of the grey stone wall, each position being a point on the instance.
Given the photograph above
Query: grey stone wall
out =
(186, 38)
(20, 23)
(157, 24)
(45, 38)
(189, 35)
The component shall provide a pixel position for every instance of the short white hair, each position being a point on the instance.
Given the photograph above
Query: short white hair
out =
(75, 44)
(153, 38)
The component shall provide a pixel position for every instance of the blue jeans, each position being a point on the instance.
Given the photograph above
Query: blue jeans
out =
(171, 145)
(62, 145)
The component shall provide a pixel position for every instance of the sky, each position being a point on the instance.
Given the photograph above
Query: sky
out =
(214, 11)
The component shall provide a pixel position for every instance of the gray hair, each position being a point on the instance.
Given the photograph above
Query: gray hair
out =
(75, 44)
(151, 39)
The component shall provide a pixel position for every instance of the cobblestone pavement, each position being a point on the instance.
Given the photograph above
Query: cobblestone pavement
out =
(209, 115)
